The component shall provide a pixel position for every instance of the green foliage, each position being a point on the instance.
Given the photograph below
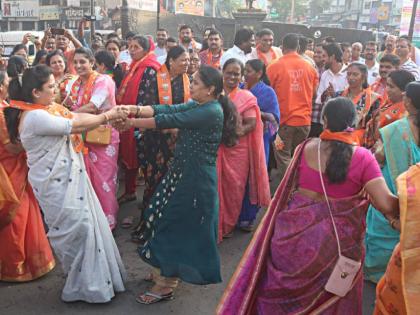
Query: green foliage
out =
(225, 8)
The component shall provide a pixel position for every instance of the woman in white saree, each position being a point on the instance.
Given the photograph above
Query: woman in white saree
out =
(78, 230)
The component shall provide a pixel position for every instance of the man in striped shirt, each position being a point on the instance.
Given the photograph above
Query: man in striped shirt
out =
(403, 51)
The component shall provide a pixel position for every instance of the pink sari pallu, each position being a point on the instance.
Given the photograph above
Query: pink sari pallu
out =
(293, 253)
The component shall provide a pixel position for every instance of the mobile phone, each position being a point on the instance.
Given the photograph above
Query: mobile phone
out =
(57, 31)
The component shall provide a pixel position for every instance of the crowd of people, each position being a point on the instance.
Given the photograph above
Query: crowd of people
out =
(333, 127)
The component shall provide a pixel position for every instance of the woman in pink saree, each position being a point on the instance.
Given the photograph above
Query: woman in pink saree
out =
(293, 252)
(94, 93)
(241, 169)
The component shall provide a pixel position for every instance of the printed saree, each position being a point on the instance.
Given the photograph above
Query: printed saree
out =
(401, 151)
(398, 291)
(25, 253)
(292, 254)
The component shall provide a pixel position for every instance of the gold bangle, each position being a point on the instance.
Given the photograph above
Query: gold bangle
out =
(106, 117)
(392, 222)
(138, 112)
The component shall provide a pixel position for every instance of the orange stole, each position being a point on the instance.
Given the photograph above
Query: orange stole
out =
(56, 110)
(398, 291)
(165, 87)
(262, 56)
(25, 253)
(346, 137)
(210, 59)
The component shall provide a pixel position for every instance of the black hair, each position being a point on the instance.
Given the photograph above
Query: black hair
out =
(112, 36)
(56, 52)
(143, 41)
(173, 54)
(113, 41)
(233, 61)
(258, 66)
(39, 55)
(334, 49)
(363, 69)
(162, 30)
(392, 59)
(171, 40)
(212, 77)
(412, 91)
(303, 44)
(290, 41)
(17, 48)
(86, 52)
(33, 78)
(242, 36)
(329, 39)
(371, 43)
(184, 27)
(130, 34)
(340, 113)
(108, 59)
(344, 46)
(401, 78)
(406, 38)
(215, 32)
(15, 66)
(264, 32)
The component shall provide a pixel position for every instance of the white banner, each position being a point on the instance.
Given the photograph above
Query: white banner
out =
(49, 13)
(22, 9)
(73, 3)
(144, 5)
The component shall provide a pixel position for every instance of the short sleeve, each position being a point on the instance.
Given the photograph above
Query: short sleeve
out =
(198, 117)
(100, 92)
(41, 123)
(370, 166)
(250, 113)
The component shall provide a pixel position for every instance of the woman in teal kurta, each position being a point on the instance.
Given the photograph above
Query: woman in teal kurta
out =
(400, 151)
(182, 218)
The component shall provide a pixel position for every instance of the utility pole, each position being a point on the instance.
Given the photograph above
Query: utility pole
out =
(125, 17)
(292, 12)
(92, 20)
(157, 15)
(413, 20)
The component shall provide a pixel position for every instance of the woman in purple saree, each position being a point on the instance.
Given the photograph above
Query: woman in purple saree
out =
(294, 250)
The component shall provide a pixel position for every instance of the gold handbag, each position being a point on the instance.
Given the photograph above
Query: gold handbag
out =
(100, 135)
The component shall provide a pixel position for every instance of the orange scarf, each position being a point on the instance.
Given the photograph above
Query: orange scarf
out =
(263, 57)
(87, 93)
(357, 98)
(210, 59)
(56, 110)
(165, 87)
(344, 136)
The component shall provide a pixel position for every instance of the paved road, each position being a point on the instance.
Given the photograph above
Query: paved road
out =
(43, 296)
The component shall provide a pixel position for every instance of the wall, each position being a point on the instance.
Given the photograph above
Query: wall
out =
(145, 23)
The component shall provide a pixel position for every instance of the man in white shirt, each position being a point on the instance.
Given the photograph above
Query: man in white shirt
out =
(186, 38)
(333, 80)
(161, 37)
(370, 62)
(242, 47)
(170, 43)
(125, 55)
(265, 51)
(403, 50)
(356, 50)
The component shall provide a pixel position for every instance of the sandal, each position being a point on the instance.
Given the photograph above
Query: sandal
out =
(127, 222)
(126, 198)
(156, 297)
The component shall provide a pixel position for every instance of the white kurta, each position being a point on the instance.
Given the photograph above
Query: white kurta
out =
(78, 230)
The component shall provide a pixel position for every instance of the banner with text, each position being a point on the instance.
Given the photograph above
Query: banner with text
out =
(194, 7)
(20, 9)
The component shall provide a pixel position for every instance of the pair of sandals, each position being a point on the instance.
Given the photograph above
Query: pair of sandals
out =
(155, 297)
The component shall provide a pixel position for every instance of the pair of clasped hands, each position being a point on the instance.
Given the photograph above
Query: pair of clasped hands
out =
(119, 116)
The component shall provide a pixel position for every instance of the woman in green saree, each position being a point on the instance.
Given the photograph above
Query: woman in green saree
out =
(397, 150)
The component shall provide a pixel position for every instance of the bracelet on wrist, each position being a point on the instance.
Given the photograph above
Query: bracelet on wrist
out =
(106, 117)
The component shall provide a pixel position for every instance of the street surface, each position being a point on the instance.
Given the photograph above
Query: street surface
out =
(43, 295)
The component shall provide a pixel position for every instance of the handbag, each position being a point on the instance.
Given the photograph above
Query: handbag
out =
(341, 280)
(100, 135)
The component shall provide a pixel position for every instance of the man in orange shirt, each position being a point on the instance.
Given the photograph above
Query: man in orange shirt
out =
(295, 82)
